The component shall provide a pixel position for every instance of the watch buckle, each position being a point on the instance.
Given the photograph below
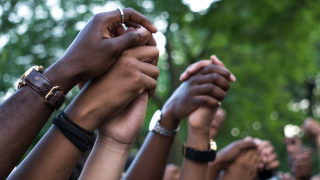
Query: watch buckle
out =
(213, 145)
(21, 84)
(50, 94)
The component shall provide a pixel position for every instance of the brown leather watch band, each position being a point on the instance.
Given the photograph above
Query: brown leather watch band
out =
(54, 97)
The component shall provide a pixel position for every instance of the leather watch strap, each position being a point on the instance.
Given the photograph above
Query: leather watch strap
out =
(54, 97)
(38, 82)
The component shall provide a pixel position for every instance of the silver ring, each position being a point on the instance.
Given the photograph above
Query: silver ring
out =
(122, 15)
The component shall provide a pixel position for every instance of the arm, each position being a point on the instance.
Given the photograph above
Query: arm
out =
(21, 124)
(198, 138)
(227, 155)
(102, 98)
(115, 138)
(245, 166)
(191, 94)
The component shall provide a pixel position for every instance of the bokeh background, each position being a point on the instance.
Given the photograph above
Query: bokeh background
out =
(272, 47)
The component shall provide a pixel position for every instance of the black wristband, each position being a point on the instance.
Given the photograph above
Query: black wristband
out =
(76, 136)
(200, 156)
(76, 125)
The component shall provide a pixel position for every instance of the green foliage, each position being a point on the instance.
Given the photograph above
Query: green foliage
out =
(272, 47)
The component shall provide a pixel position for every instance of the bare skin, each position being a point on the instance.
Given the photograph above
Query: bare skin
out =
(190, 95)
(227, 155)
(245, 166)
(217, 123)
(172, 172)
(19, 115)
(96, 102)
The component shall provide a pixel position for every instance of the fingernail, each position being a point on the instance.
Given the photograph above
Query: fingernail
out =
(232, 78)
(219, 103)
(143, 32)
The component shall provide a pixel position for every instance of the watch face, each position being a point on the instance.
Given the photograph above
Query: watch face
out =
(37, 68)
(155, 118)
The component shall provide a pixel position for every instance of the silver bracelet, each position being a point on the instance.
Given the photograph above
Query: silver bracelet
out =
(157, 128)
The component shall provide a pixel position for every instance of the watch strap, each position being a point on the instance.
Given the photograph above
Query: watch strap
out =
(54, 97)
(198, 155)
(38, 82)
(165, 132)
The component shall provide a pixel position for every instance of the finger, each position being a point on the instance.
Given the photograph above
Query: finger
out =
(148, 41)
(204, 100)
(150, 54)
(126, 40)
(148, 69)
(132, 25)
(216, 69)
(138, 106)
(210, 90)
(242, 145)
(194, 68)
(272, 157)
(216, 61)
(273, 165)
(81, 84)
(213, 78)
(150, 84)
(119, 30)
(113, 18)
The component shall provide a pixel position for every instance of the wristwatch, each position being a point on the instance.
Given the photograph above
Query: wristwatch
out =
(200, 155)
(157, 128)
(53, 95)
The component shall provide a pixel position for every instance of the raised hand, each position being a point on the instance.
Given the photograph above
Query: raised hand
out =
(206, 88)
(217, 123)
(102, 98)
(195, 67)
(268, 159)
(115, 137)
(302, 163)
(125, 126)
(94, 51)
(245, 166)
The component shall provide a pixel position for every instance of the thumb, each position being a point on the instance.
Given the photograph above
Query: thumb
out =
(126, 40)
(138, 107)
(246, 145)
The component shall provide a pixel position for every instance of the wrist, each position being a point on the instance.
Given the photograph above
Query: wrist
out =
(61, 74)
(113, 144)
(168, 120)
(198, 140)
(81, 116)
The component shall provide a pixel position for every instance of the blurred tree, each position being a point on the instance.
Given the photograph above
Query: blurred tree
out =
(272, 48)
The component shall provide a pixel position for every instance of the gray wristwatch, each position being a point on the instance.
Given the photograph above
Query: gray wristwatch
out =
(157, 128)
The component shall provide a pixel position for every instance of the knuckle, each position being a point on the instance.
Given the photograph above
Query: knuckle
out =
(98, 18)
(157, 71)
(215, 77)
(209, 87)
(154, 83)
(131, 35)
(155, 52)
(131, 64)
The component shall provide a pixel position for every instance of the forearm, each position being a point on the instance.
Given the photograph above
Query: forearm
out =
(153, 153)
(191, 169)
(106, 161)
(214, 168)
(22, 116)
(54, 157)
